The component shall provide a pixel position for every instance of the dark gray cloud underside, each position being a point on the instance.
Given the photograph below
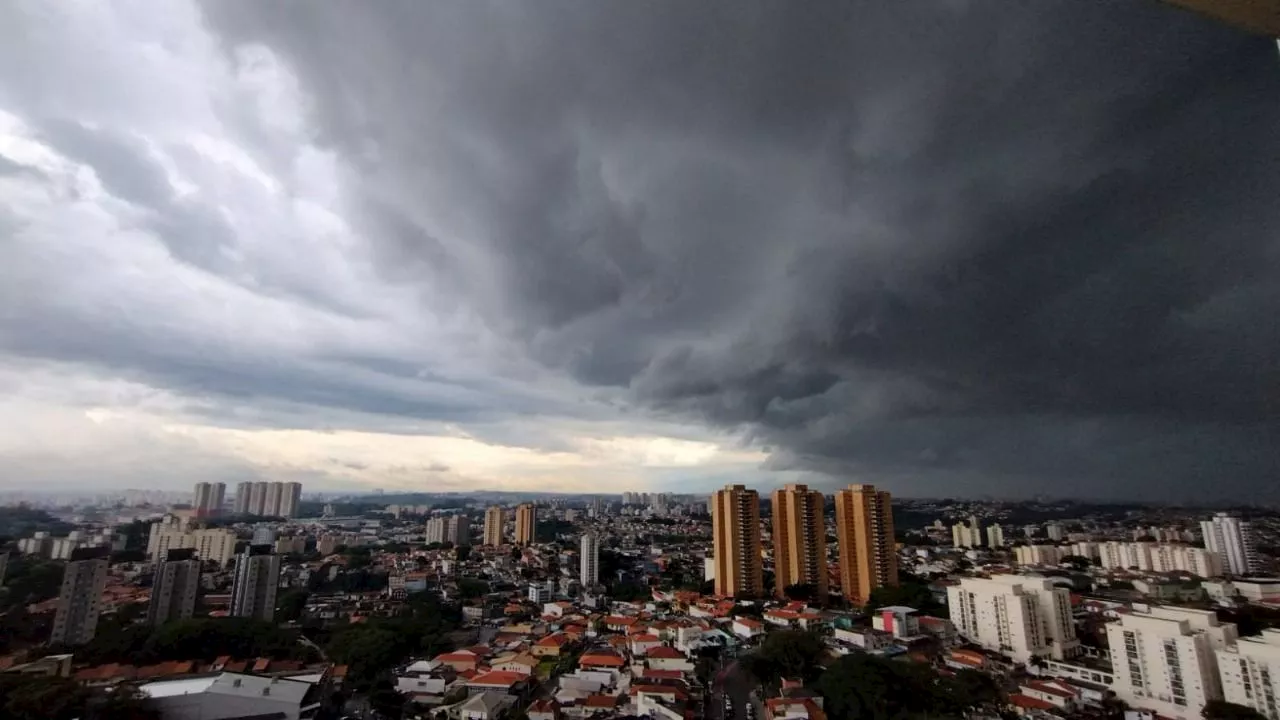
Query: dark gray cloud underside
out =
(1005, 245)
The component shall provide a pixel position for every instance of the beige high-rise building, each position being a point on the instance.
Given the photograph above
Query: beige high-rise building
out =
(80, 600)
(864, 529)
(215, 544)
(735, 528)
(258, 497)
(494, 519)
(526, 523)
(799, 540)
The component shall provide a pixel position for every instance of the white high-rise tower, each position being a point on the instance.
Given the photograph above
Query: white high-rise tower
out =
(589, 560)
(1232, 539)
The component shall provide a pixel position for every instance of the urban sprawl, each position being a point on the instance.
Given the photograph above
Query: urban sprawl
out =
(789, 605)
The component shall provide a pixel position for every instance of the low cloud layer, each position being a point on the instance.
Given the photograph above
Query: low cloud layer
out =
(949, 247)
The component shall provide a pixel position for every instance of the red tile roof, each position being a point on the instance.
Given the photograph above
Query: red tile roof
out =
(664, 652)
(1029, 703)
(600, 701)
(601, 660)
(498, 678)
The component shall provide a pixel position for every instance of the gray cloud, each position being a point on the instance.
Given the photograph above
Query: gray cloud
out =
(933, 241)
(950, 246)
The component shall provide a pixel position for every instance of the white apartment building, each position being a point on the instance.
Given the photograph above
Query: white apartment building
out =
(1232, 539)
(1164, 659)
(1159, 557)
(1019, 616)
(1086, 549)
(1250, 672)
(1039, 554)
(995, 536)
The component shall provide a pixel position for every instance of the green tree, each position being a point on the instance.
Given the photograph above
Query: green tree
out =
(472, 588)
(871, 688)
(787, 654)
(290, 604)
(908, 592)
(462, 554)
(1223, 710)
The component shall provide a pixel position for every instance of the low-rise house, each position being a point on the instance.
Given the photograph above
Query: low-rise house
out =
(510, 683)
(793, 709)
(459, 660)
(551, 645)
(642, 644)
(601, 660)
(486, 706)
(747, 628)
(668, 658)
(543, 710)
(523, 663)
(1060, 697)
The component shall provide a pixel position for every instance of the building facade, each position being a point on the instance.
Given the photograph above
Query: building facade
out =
(253, 592)
(80, 599)
(1022, 617)
(526, 523)
(799, 540)
(495, 519)
(1165, 659)
(868, 552)
(1232, 540)
(1250, 672)
(735, 528)
(589, 559)
(173, 591)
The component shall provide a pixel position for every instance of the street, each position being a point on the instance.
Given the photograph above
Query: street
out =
(732, 682)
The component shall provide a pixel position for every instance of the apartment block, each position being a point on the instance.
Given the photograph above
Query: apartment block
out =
(868, 551)
(1165, 659)
(735, 529)
(799, 540)
(80, 599)
(1019, 616)
(1250, 672)
(526, 523)
(495, 519)
(257, 579)
(174, 588)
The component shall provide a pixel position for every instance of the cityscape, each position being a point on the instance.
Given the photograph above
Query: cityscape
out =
(663, 360)
(642, 604)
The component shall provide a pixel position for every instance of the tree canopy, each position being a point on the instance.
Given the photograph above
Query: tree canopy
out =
(193, 639)
(787, 654)
(870, 688)
(1223, 710)
(29, 697)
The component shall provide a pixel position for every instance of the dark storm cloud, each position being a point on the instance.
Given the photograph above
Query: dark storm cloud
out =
(1002, 246)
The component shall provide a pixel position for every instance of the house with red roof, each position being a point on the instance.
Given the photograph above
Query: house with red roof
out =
(601, 660)
(460, 660)
(512, 683)
(668, 658)
(544, 710)
(784, 708)
(747, 628)
(551, 645)
(1060, 695)
(641, 644)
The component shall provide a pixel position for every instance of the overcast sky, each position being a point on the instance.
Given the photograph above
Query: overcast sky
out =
(949, 247)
